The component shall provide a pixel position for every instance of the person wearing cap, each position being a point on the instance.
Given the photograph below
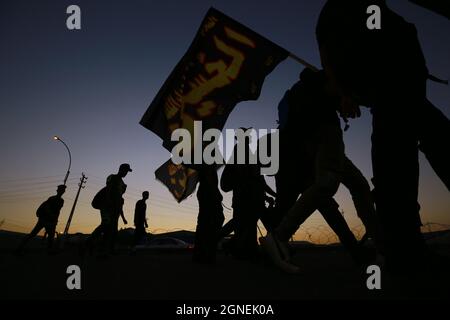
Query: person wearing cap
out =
(110, 209)
(47, 213)
(116, 188)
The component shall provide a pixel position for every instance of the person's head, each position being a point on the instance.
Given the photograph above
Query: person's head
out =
(145, 195)
(60, 190)
(312, 77)
(124, 169)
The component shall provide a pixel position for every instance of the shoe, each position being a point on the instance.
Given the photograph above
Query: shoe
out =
(282, 247)
(289, 267)
(273, 248)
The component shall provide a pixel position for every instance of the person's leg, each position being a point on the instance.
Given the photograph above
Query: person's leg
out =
(324, 188)
(330, 212)
(51, 235)
(240, 229)
(113, 231)
(200, 235)
(209, 223)
(329, 161)
(97, 232)
(250, 232)
(358, 186)
(288, 191)
(434, 135)
(103, 230)
(137, 236)
(396, 175)
(216, 228)
(95, 235)
(38, 227)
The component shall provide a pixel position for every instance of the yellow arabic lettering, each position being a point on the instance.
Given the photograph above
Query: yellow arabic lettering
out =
(222, 75)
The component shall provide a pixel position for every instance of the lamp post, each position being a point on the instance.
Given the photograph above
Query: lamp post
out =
(70, 157)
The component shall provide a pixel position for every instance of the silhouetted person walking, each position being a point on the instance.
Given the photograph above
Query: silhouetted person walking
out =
(110, 203)
(140, 220)
(47, 213)
(385, 70)
(118, 188)
(210, 216)
(313, 163)
(249, 202)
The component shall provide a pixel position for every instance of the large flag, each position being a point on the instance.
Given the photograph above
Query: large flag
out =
(225, 64)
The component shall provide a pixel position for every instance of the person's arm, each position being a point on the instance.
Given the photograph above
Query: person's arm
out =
(349, 106)
(122, 215)
(145, 215)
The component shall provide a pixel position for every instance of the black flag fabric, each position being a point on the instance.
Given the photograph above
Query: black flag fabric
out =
(226, 63)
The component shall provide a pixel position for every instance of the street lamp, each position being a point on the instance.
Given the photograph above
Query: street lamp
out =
(70, 157)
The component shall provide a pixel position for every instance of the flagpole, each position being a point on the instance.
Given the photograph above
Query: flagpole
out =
(303, 62)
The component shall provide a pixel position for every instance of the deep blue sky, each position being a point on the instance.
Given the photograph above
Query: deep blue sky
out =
(92, 86)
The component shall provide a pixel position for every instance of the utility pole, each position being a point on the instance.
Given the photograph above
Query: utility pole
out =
(80, 186)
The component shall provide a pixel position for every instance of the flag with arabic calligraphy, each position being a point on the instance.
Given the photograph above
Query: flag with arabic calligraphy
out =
(226, 63)
(179, 179)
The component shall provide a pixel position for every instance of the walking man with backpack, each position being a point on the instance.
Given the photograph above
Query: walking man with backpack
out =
(47, 213)
(109, 201)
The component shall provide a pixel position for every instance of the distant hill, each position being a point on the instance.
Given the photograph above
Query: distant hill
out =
(184, 235)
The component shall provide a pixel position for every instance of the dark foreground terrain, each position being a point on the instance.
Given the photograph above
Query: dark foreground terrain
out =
(328, 272)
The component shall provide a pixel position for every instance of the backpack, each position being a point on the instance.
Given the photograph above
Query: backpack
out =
(42, 210)
(99, 200)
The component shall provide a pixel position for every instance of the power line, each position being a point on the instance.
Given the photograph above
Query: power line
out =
(30, 179)
(27, 191)
(8, 200)
(45, 187)
(18, 196)
(27, 186)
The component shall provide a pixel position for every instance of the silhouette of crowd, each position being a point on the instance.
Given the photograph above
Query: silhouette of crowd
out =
(383, 70)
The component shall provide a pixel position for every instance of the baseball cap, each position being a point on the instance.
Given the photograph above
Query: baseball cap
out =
(125, 167)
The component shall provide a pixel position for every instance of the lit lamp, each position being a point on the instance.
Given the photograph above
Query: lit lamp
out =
(70, 157)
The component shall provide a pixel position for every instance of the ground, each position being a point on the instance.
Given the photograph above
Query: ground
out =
(328, 272)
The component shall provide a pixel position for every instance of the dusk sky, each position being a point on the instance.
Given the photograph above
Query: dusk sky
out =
(92, 86)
